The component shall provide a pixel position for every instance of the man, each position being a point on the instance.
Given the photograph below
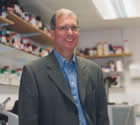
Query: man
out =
(62, 89)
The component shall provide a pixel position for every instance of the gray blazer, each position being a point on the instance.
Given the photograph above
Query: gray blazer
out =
(45, 98)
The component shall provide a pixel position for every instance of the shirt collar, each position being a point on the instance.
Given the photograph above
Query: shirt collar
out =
(62, 60)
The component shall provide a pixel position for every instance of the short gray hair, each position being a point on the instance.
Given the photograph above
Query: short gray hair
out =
(60, 12)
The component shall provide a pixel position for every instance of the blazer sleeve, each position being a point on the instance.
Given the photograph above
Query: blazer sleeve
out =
(28, 98)
(101, 101)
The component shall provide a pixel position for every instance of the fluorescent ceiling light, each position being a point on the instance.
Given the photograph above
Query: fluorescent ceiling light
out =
(113, 9)
(105, 8)
(132, 8)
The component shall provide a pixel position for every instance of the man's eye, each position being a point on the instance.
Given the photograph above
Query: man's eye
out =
(74, 28)
(66, 28)
(63, 28)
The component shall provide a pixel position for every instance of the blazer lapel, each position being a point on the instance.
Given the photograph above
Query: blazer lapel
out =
(57, 76)
(82, 75)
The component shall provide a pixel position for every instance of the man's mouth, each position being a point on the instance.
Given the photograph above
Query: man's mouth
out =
(69, 40)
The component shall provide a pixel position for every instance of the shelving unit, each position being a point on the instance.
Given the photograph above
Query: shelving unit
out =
(5, 46)
(5, 21)
(103, 59)
(8, 85)
(106, 74)
(17, 55)
(22, 26)
(15, 58)
(104, 56)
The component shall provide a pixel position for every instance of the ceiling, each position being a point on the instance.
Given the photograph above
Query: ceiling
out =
(89, 18)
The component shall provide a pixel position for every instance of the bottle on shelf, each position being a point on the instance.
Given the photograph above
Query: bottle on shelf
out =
(33, 21)
(91, 52)
(39, 24)
(10, 76)
(4, 75)
(3, 12)
(106, 48)
(43, 52)
(3, 37)
(19, 73)
(7, 73)
(99, 49)
(14, 77)
(119, 66)
(126, 47)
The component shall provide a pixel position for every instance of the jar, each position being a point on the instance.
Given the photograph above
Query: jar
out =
(99, 49)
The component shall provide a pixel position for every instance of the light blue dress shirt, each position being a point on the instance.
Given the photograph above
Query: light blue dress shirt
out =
(70, 74)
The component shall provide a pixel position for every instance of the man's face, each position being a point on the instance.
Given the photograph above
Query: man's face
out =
(66, 34)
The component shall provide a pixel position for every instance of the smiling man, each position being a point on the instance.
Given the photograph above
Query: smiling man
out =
(63, 89)
(65, 33)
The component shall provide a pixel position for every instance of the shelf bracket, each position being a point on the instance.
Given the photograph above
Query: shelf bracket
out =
(29, 34)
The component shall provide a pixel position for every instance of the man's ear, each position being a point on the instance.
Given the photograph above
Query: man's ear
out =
(52, 33)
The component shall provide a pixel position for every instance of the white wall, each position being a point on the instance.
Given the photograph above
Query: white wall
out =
(89, 39)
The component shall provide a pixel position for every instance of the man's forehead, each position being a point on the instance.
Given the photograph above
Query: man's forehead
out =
(64, 12)
(66, 17)
(66, 20)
